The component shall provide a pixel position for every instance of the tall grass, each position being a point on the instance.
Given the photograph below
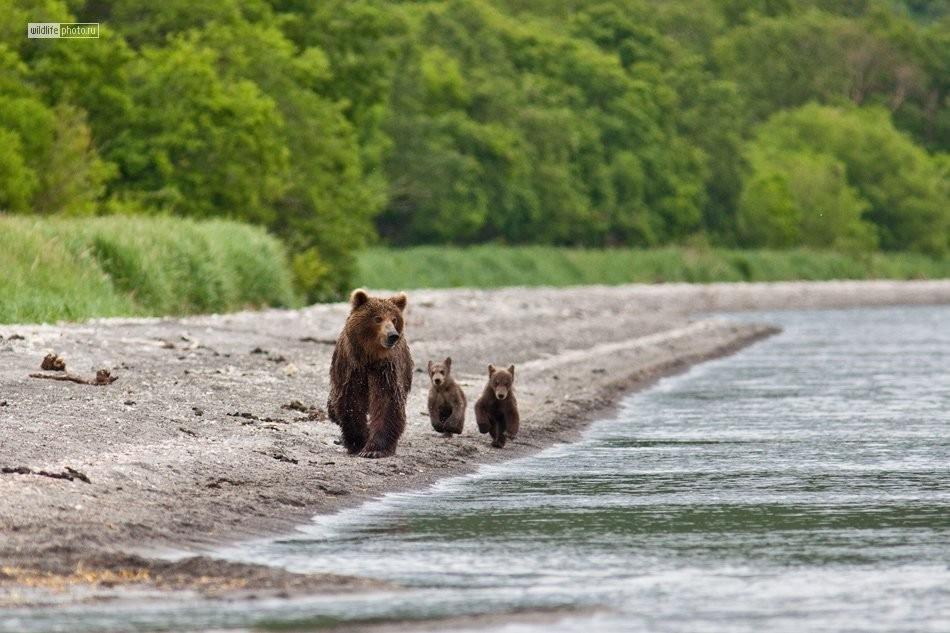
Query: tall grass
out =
(495, 266)
(56, 268)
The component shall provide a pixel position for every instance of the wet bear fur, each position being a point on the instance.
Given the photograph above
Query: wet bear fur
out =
(370, 375)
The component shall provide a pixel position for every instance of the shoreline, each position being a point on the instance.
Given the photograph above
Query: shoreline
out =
(205, 454)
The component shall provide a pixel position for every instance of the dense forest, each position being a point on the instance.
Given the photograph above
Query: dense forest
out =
(339, 123)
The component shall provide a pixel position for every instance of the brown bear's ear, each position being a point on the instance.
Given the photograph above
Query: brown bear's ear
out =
(511, 370)
(358, 298)
(400, 300)
(491, 370)
(448, 362)
(430, 366)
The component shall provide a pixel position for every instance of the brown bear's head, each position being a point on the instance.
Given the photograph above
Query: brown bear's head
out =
(439, 372)
(376, 323)
(501, 380)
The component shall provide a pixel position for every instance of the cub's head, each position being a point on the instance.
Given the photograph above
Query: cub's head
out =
(439, 372)
(375, 322)
(500, 381)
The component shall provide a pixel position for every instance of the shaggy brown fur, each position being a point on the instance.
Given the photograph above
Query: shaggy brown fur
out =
(446, 399)
(496, 411)
(370, 374)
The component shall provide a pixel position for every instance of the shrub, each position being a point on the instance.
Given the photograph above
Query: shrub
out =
(72, 269)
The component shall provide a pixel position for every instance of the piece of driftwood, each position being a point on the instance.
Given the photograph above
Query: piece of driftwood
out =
(69, 474)
(103, 377)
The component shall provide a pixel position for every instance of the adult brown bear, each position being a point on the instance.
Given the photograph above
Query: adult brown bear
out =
(371, 373)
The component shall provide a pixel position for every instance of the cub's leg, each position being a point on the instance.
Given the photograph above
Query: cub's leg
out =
(499, 435)
(513, 424)
(455, 420)
(435, 418)
(444, 413)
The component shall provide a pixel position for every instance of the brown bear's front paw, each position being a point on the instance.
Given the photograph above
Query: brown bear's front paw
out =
(371, 454)
(499, 442)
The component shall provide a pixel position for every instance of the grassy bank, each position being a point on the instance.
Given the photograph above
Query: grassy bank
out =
(61, 269)
(494, 266)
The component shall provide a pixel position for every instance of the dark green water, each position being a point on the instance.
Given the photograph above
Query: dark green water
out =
(800, 485)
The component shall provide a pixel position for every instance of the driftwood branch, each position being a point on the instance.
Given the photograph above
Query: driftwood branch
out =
(103, 377)
(69, 474)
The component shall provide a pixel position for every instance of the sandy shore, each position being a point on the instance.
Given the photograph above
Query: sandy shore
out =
(201, 440)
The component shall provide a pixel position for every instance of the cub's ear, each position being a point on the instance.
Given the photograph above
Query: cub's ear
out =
(448, 362)
(491, 370)
(358, 298)
(430, 366)
(511, 370)
(400, 300)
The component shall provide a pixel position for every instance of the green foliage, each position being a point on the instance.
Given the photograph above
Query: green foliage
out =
(231, 110)
(72, 176)
(594, 123)
(17, 180)
(211, 150)
(814, 172)
(53, 269)
(51, 164)
(511, 129)
(800, 198)
(871, 57)
(492, 266)
(773, 61)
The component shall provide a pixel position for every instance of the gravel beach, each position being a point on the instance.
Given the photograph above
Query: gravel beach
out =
(215, 430)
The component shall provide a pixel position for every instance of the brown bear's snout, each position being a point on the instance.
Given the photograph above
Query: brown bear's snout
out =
(501, 393)
(390, 336)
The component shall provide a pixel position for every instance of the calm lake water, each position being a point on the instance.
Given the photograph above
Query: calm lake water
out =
(802, 484)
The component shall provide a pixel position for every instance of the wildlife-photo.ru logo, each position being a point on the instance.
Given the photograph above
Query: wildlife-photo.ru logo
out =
(75, 30)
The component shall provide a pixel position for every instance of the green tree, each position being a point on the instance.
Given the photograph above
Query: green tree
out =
(798, 198)
(325, 212)
(196, 143)
(17, 180)
(843, 160)
(512, 129)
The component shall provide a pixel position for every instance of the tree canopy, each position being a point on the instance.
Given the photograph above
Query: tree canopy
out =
(572, 122)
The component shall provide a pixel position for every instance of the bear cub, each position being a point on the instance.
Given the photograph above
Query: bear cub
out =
(446, 400)
(370, 375)
(496, 411)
